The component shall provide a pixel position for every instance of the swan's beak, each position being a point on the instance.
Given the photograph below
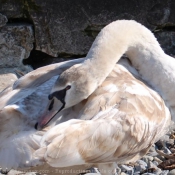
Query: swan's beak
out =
(49, 114)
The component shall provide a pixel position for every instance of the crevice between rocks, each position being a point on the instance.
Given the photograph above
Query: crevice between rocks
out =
(38, 59)
(165, 28)
(19, 21)
(93, 30)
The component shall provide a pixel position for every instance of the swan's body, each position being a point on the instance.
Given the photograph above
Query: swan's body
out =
(125, 116)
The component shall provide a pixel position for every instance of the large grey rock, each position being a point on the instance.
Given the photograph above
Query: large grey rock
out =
(68, 27)
(16, 42)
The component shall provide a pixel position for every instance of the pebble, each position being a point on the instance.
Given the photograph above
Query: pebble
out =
(166, 150)
(165, 172)
(147, 158)
(157, 160)
(151, 165)
(123, 173)
(152, 152)
(172, 172)
(140, 166)
(155, 163)
(127, 169)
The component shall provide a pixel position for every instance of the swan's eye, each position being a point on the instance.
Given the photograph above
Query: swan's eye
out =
(68, 87)
(50, 97)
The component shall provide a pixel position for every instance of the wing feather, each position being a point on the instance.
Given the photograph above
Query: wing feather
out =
(95, 141)
(29, 82)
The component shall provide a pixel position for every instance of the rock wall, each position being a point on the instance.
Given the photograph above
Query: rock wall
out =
(65, 28)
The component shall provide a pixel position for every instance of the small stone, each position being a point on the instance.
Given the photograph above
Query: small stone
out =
(152, 152)
(166, 150)
(147, 158)
(173, 150)
(140, 166)
(158, 171)
(165, 172)
(123, 173)
(157, 160)
(151, 165)
(172, 172)
(127, 169)
(13, 172)
(155, 163)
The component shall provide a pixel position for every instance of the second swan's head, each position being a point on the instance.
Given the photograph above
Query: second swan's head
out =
(72, 86)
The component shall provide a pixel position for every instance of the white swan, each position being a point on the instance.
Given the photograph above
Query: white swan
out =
(127, 116)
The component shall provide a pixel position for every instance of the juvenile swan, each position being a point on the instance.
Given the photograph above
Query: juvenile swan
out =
(127, 116)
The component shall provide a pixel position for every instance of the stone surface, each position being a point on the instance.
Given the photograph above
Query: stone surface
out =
(172, 172)
(140, 166)
(16, 42)
(167, 41)
(12, 8)
(69, 27)
(165, 172)
(3, 20)
(127, 169)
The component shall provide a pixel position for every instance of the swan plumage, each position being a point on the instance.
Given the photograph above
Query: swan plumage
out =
(117, 111)
(119, 122)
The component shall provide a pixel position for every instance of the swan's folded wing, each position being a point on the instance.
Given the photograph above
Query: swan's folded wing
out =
(28, 83)
(97, 141)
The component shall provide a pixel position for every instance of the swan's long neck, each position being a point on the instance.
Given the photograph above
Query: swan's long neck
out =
(143, 50)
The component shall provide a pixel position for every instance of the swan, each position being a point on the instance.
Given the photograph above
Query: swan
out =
(121, 116)
(117, 111)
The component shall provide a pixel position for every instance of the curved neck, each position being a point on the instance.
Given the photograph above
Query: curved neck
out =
(143, 50)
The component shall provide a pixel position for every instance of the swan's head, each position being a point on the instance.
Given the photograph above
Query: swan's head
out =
(71, 87)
